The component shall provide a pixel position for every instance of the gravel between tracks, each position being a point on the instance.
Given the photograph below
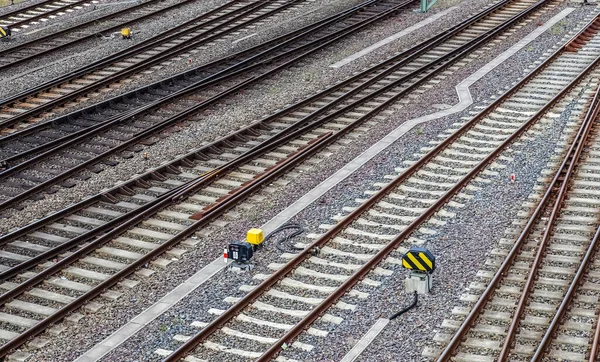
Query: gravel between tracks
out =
(8, 9)
(23, 77)
(449, 282)
(33, 73)
(86, 14)
(284, 88)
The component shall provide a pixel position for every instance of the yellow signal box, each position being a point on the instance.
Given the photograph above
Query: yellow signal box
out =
(255, 236)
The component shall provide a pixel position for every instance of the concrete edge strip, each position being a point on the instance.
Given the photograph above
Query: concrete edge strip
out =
(393, 37)
(366, 340)
(465, 100)
(170, 299)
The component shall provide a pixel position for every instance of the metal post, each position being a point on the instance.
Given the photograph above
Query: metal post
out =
(426, 6)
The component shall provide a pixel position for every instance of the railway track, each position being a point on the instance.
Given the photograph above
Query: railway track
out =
(169, 111)
(302, 294)
(537, 297)
(151, 93)
(100, 241)
(187, 38)
(382, 84)
(43, 11)
(99, 27)
(195, 194)
(141, 237)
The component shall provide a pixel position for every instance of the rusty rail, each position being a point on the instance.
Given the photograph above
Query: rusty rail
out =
(442, 63)
(272, 352)
(595, 342)
(210, 214)
(589, 121)
(584, 35)
(562, 176)
(226, 203)
(286, 134)
(232, 17)
(422, 46)
(40, 16)
(95, 34)
(486, 295)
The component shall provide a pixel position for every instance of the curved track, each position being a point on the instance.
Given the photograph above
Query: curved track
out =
(99, 242)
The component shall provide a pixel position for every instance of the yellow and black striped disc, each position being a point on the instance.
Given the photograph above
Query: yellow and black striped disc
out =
(419, 259)
(3, 32)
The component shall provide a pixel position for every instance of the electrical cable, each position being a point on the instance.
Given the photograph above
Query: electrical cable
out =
(298, 230)
(414, 304)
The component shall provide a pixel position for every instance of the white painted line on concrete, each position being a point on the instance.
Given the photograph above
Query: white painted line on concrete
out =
(366, 340)
(196, 280)
(391, 38)
(244, 38)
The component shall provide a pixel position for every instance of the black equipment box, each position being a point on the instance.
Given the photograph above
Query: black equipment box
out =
(240, 251)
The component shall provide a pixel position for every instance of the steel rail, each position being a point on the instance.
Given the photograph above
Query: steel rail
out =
(32, 332)
(192, 110)
(107, 195)
(274, 350)
(427, 43)
(209, 211)
(347, 285)
(483, 299)
(223, 205)
(150, 131)
(423, 46)
(302, 126)
(21, 11)
(539, 352)
(285, 135)
(182, 47)
(95, 34)
(563, 176)
(177, 194)
(581, 141)
(220, 76)
(451, 57)
(249, 53)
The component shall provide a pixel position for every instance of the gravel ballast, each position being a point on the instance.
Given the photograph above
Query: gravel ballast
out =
(160, 332)
(284, 88)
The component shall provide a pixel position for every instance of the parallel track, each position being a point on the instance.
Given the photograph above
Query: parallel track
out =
(97, 244)
(542, 300)
(303, 291)
(372, 87)
(102, 26)
(21, 19)
(189, 37)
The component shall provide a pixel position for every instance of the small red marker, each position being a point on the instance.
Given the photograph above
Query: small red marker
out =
(512, 177)
(225, 256)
